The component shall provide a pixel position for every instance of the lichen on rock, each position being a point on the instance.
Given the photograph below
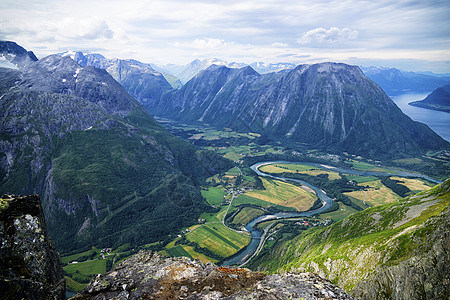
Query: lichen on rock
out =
(148, 275)
(30, 267)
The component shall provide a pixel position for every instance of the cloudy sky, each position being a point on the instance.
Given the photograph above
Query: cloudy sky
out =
(411, 35)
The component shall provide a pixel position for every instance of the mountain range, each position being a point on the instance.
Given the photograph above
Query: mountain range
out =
(187, 72)
(329, 105)
(107, 172)
(71, 132)
(395, 82)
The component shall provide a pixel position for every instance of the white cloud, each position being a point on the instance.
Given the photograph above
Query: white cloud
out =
(279, 45)
(333, 35)
(244, 30)
(89, 29)
(208, 43)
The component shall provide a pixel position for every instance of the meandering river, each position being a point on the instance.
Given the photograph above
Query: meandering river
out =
(247, 253)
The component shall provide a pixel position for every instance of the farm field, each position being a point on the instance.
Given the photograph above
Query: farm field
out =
(284, 194)
(196, 255)
(178, 251)
(360, 179)
(246, 199)
(74, 257)
(299, 168)
(377, 194)
(415, 185)
(84, 270)
(289, 168)
(233, 172)
(214, 217)
(343, 212)
(90, 267)
(219, 239)
(213, 195)
(363, 166)
(246, 215)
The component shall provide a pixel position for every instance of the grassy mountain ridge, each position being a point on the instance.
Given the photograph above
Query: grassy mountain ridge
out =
(394, 250)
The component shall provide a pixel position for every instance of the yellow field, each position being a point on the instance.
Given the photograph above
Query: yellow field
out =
(218, 239)
(288, 168)
(197, 255)
(246, 215)
(331, 175)
(284, 194)
(377, 194)
(301, 169)
(415, 185)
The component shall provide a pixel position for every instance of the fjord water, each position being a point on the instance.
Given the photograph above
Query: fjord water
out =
(439, 121)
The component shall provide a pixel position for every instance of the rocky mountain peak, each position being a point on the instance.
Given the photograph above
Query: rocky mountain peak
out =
(149, 275)
(16, 55)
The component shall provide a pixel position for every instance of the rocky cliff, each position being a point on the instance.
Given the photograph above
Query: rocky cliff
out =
(394, 251)
(148, 275)
(139, 79)
(330, 106)
(30, 268)
(16, 55)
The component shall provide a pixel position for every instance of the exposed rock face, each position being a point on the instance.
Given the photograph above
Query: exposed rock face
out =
(140, 80)
(423, 276)
(15, 54)
(30, 268)
(329, 105)
(148, 275)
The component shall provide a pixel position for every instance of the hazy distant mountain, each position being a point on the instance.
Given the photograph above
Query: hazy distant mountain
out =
(262, 67)
(140, 80)
(187, 72)
(194, 67)
(106, 171)
(395, 82)
(439, 99)
(329, 105)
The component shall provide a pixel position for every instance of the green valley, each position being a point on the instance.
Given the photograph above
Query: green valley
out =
(236, 196)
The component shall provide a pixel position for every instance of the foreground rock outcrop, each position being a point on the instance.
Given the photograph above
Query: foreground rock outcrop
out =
(30, 268)
(148, 275)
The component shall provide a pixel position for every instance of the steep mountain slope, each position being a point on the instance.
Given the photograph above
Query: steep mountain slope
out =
(329, 105)
(395, 251)
(107, 172)
(14, 56)
(140, 80)
(395, 82)
(439, 99)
